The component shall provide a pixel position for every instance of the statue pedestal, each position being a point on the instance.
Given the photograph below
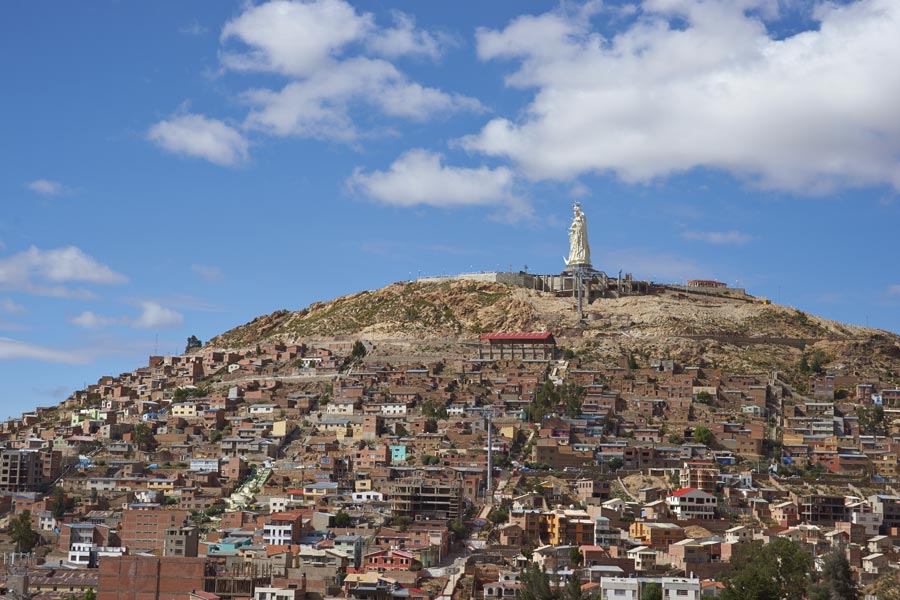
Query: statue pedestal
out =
(580, 273)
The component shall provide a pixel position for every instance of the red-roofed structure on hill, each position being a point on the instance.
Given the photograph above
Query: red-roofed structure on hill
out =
(517, 346)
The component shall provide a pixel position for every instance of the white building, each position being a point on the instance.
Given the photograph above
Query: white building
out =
(681, 588)
(394, 409)
(367, 496)
(691, 503)
(278, 534)
(631, 588)
(273, 593)
(620, 588)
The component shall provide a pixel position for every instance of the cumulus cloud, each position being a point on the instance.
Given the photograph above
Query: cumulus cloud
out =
(91, 320)
(405, 39)
(11, 349)
(337, 64)
(320, 106)
(40, 272)
(419, 177)
(45, 187)
(293, 38)
(200, 137)
(335, 60)
(732, 237)
(156, 316)
(705, 83)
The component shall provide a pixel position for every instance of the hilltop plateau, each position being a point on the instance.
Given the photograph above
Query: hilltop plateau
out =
(736, 331)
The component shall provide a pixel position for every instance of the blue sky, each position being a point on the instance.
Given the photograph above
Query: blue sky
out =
(179, 168)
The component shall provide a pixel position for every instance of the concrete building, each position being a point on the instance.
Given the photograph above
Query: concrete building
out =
(21, 470)
(691, 503)
(145, 530)
(181, 541)
(426, 498)
(150, 578)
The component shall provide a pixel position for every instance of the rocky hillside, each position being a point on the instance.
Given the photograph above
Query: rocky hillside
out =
(730, 332)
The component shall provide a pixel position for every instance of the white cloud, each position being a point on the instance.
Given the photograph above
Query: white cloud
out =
(45, 187)
(330, 53)
(705, 83)
(419, 177)
(320, 106)
(40, 271)
(7, 305)
(405, 39)
(156, 316)
(200, 137)
(732, 237)
(293, 38)
(893, 290)
(207, 272)
(11, 349)
(91, 320)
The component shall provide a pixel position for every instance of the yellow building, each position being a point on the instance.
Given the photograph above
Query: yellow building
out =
(656, 535)
(562, 526)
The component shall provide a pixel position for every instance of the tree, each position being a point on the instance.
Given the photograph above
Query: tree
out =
(575, 556)
(652, 591)
(458, 527)
(546, 399)
(572, 589)
(22, 535)
(703, 435)
(434, 410)
(498, 516)
(535, 584)
(837, 579)
(342, 519)
(193, 343)
(886, 587)
(614, 464)
(779, 569)
(573, 397)
(59, 504)
(871, 420)
(358, 351)
(142, 436)
(431, 425)
(632, 362)
(215, 435)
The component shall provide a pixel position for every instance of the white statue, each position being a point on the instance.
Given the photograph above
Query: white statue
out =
(579, 249)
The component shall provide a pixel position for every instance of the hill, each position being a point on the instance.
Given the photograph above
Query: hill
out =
(731, 332)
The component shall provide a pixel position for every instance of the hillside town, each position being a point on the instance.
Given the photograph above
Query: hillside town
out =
(317, 471)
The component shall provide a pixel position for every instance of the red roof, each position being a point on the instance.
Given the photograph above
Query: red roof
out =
(544, 336)
(682, 491)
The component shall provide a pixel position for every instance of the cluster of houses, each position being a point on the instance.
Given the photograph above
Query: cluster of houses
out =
(292, 471)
